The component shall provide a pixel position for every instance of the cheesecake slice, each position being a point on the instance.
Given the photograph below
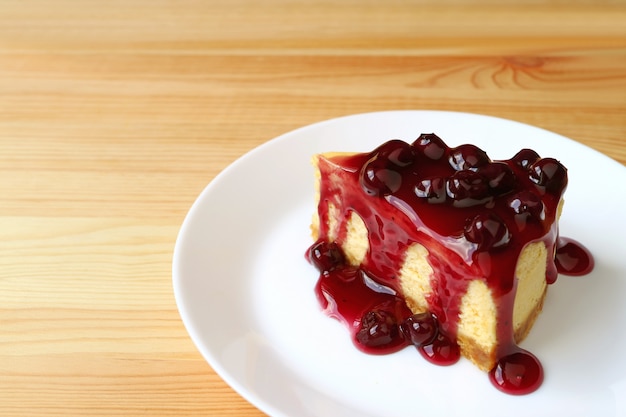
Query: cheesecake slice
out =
(439, 247)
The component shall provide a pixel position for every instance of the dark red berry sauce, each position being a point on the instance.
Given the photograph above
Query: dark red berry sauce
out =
(519, 372)
(475, 215)
(572, 258)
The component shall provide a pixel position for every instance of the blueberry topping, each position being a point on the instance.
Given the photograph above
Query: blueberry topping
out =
(397, 152)
(430, 145)
(500, 177)
(459, 198)
(488, 231)
(326, 256)
(378, 178)
(379, 328)
(549, 174)
(382, 174)
(527, 205)
(525, 157)
(442, 351)
(421, 329)
(431, 189)
(467, 188)
(467, 157)
(518, 373)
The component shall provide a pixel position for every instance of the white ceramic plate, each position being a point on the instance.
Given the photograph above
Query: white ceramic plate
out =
(245, 291)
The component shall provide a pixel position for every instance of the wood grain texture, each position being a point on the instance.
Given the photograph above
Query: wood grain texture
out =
(115, 115)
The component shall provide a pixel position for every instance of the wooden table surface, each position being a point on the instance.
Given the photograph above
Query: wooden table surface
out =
(114, 115)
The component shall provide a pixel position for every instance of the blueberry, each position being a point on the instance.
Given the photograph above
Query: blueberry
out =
(431, 189)
(430, 145)
(382, 173)
(527, 205)
(378, 178)
(549, 174)
(467, 188)
(467, 157)
(488, 231)
(378, 328)
(525, 157)
(397, 152)
(326, 256)
(500, 177)
(421, 329)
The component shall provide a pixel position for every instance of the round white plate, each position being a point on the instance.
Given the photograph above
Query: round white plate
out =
(245, 290)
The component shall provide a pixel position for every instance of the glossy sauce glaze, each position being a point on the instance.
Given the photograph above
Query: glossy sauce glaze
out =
(473, 214)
